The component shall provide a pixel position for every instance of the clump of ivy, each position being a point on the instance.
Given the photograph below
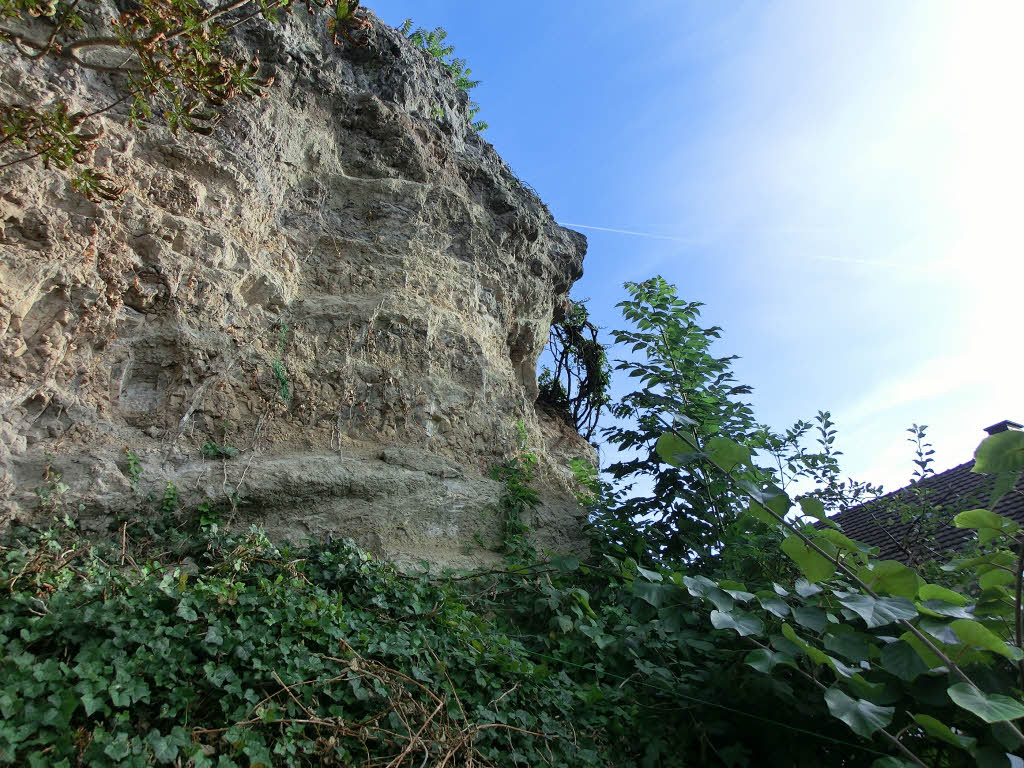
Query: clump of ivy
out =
(169, 57)
(433, 42)
(210, 648)
(577, 387)
(518, 497)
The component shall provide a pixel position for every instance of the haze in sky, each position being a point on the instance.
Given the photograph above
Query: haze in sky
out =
(842, 184)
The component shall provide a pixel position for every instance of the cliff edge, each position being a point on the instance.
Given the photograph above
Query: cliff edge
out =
(325, 317)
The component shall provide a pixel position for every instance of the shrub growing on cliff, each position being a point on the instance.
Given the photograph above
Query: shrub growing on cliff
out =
(577, 384)
(170, 57)
(433, 42)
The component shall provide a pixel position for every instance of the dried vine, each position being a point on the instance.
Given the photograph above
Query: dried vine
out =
(577, 387)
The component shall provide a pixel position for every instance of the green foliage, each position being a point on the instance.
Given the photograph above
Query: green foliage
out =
(212, 450)
(931, 673)
(433, 43)
(50, 495)
(923, 451)
(257, 654)
(191, 644)
(687, 414)
(517, 498)
(280, 372)
(170, 57)
(134, 468)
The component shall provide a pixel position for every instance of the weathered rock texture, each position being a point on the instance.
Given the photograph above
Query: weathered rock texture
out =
(345, 283)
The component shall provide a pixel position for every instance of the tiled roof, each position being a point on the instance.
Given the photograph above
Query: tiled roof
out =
(898, 526)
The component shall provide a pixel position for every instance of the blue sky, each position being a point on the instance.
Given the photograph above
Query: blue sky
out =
(842, 184)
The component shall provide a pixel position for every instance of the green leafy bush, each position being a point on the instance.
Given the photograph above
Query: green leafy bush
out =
(932, 671)
(226, 650)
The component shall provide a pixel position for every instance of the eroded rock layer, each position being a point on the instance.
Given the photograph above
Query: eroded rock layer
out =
(325, 317)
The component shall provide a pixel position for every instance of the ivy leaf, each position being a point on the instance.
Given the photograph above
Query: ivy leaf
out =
(92, 703)
(815, 567)
(863, 717)
(165, 748)
(878, 612)
(213, 636)
(990, 707)
(1001, 452)
(118, 749)
(744, 623)
(186, 613)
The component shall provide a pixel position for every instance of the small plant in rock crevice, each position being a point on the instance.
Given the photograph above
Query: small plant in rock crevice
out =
(167, 57)
(50, 495)
(134, 468)
(277, 366)
(517, 498)
(433, 43)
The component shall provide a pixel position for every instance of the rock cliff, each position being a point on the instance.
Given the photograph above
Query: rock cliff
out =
(326, 317)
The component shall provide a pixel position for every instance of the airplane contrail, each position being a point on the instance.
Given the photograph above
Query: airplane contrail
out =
(819, 257)
(628, 232)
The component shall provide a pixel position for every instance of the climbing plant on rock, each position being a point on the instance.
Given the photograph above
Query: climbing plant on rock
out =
(576, 385)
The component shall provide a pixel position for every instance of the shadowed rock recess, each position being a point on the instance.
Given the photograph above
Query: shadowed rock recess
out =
(345, 284)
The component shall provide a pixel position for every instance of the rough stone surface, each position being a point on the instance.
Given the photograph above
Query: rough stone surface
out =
(350, 237)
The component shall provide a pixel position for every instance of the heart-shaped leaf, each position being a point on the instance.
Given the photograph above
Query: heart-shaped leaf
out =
(863, 717)
(990, 707)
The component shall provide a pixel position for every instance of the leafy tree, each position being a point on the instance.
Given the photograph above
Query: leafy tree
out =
(932, 673)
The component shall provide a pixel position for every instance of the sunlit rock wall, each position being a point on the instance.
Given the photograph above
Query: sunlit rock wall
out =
(345, 284)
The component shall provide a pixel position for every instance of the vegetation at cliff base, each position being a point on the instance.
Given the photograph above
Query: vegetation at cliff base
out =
(715, 620)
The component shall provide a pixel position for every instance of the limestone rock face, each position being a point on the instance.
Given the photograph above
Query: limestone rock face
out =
(326, 317)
